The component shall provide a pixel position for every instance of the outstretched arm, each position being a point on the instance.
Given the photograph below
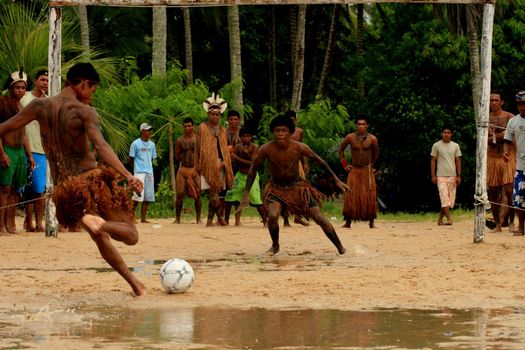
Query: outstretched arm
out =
(104, 150)
(29, 113)
(307, 152)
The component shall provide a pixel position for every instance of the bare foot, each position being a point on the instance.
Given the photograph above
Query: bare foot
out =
(11, 229)
(346, 225)
(199, 221)
(95, 223)
(287, 224)
(300, 221)
(273, 250)
(145, 221)
(139, 290)
(176, 221)
(341, 250)
(39, 228)
(209, 223)
(29, 228)
(496, 229)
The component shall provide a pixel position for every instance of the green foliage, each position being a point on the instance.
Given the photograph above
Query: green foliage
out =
(324, 127)
(25, 39)
(159, 101)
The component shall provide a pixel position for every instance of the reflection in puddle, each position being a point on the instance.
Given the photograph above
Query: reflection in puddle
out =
(257, 328)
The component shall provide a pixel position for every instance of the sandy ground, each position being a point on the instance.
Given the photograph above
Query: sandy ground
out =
(397, 265)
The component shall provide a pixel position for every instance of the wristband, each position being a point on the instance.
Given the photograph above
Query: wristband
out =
(344, 163)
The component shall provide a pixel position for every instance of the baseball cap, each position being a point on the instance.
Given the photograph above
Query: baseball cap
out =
(520, 96)
(145, 127)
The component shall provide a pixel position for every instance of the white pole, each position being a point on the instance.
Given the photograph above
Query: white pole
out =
(481, 197)
(54, 68)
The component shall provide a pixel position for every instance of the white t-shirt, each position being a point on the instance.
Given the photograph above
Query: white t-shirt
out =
(516, 131)
(33, 128)
(446, 153)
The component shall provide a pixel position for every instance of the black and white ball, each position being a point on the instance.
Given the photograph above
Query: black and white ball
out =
(176, 276)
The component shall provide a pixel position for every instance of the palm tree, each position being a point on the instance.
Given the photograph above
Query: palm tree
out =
(235, 57)
(84, 28)
(29, 48)
(187, 43)
(160, 35)
(298, 58)
(330, 48)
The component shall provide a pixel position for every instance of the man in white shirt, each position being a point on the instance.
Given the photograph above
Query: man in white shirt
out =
(37, 179)
(445, 170)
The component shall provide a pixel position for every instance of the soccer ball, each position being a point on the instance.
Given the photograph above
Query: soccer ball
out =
(176, 276)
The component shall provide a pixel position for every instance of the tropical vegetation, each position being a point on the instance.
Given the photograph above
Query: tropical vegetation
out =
(406, 67)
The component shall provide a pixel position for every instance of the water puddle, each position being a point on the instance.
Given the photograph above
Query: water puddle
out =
(217, 328)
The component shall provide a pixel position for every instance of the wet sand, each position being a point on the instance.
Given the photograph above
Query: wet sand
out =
(413, 265)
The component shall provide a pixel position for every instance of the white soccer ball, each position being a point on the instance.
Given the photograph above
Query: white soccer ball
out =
(176, 276)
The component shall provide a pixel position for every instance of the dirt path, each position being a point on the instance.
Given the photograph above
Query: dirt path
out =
(399, 264)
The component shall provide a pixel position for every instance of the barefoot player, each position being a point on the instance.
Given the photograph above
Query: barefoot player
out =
(84, 193)
(286, 187)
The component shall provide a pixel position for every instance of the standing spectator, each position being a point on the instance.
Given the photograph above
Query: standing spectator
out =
(515, 132)
(188, 179)
(37, 178)
(234, 122)
(500, 174)
(13, 151)
(360, 201)
(244, 153)
(214, 162)
(141, 155)
(445, 170)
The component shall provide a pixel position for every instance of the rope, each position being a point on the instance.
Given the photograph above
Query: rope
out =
(482, 200)
(24, 202)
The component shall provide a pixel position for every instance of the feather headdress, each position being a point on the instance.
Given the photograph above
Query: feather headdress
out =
(214, 102)
(15, 77)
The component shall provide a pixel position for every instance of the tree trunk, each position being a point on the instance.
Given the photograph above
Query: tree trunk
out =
(298, 76)
(188, 49)
(172, 165)
(84, 28)
(360, 49)
(272, 61)
(330, 48)
(475, 65)
(235, 57)
(158, 61)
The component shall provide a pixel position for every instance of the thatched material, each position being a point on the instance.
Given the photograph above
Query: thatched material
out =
(208, 158)
(93, 192)
(360, 201)
(298, 197)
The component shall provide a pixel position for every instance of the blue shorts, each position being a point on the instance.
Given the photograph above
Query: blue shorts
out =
(37, 176)
(519, 190)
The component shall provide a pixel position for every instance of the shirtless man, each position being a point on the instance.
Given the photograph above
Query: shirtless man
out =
(83, 192)
(360, 203)
(243, 154)
(297, 135)
(14, 149)
(286, 187)
(500, 174)
(188, 179)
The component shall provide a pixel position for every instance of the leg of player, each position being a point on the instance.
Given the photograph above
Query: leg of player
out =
(98, 230)
(327, 227)
(274, 209)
